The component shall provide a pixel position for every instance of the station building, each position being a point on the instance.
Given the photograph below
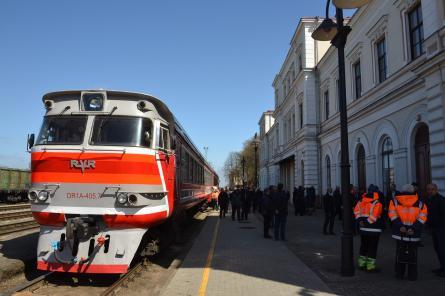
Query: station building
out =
(395, 80)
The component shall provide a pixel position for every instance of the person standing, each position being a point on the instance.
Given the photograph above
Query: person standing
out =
(235, 200)
(436, 219)
(329, 212)
(257, 200)
(267, 211)
(295, 201)
(280, 204)
(245, 203)
(368, 212)
(338, 203)
(223, 201)
(408, 215)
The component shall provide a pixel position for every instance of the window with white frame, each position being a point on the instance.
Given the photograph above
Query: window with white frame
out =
(300, 109)
(415, 22)
(300, 63)
(326, 105)
(381, 59)
(328, 172)
(357, 79)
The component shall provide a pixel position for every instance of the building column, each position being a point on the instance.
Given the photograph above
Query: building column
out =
(370, 170)
(401, 167)
(435, 90)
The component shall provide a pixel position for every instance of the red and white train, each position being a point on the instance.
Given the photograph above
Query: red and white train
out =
(109, 168)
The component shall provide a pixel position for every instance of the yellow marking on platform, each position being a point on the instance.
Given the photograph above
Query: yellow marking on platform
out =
(206, 272)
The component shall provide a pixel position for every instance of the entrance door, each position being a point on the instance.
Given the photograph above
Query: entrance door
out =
(423, 160)
(361, 168)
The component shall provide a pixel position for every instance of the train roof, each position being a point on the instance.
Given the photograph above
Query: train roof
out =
(161, 107)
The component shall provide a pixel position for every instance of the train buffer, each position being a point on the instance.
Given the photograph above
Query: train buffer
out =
(232, 258)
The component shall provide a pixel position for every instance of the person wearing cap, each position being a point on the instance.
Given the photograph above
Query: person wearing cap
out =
(408, 215)
(368, 212)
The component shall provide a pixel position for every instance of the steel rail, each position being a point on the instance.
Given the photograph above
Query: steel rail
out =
(126, 278)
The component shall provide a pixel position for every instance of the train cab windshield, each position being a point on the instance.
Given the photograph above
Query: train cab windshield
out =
(62, 130)
(122, 131)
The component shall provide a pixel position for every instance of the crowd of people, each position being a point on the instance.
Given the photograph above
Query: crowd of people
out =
(404, 212)
(272, 204)
(407, 214)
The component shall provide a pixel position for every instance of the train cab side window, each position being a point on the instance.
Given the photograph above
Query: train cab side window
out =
(164, 138)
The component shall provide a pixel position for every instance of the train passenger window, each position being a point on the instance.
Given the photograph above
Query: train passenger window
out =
(122, 131)
(62, 130)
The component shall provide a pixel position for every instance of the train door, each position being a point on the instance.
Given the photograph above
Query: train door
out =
(167, 161)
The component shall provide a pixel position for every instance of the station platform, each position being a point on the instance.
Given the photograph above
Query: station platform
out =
(232, 258)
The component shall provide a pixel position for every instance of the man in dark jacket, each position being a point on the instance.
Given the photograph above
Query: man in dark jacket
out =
(246, 199)
(235, 200)
(329, 211)
(310, 200)
(295, 200)
(280, 203)
(223, 201)
(257, 200)
(436, 219)
(338, 203)
(267, 210)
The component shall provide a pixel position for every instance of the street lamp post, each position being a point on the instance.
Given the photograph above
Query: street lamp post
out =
(337, 33)
(255, 145)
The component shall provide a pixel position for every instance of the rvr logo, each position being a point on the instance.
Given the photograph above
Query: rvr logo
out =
(83, 164)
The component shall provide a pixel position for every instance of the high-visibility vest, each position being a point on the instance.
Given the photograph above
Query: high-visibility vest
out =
(369, 209)
(407, 210)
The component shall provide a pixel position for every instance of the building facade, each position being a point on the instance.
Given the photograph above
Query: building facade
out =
(395, 80)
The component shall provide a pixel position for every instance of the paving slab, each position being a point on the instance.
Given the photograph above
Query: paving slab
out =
(243, 263)
(322, 254)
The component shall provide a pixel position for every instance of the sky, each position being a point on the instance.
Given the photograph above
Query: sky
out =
(212, 62)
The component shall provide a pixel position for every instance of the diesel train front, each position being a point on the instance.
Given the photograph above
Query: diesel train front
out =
(103, 173)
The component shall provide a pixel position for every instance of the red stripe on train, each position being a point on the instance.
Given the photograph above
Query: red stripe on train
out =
(49, 219)
(109, 168)
(135, 221)
(112, 221)
(83, 268)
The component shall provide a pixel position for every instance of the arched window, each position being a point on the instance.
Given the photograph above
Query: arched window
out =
(387, 164)
(328, 172)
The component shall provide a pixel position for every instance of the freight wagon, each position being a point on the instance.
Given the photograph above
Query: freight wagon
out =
(14, 184)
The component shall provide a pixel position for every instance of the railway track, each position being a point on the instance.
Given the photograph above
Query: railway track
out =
(16, 217)
(146, 275)
(51, 282)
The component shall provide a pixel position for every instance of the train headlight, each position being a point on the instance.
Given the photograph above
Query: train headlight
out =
(43, 195)
(32, 195)
(132, 199)
(122, 198)
(93, 102)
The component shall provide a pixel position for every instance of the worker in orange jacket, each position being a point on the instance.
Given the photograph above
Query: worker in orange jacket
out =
(368, 212)
(408, 215)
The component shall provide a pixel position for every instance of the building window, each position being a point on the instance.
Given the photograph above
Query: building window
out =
(328, 172)
(326, 104)
(387, 164)
(337, 85)
(381, 59)
(357, 80)
(416, 31)
(300, 63)
(300, 109)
